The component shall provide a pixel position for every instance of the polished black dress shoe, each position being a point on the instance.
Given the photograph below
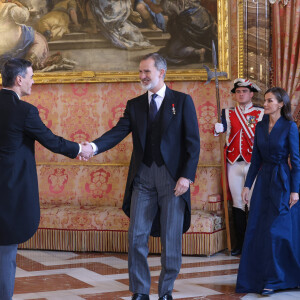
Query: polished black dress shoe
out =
(166, 297)
(267, 292)
(138, 296)
(236, 251)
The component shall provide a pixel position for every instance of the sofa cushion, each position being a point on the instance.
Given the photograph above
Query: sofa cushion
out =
(112, 218)
(83, 217)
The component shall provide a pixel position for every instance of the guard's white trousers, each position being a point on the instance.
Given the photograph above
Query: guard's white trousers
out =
(237, 173)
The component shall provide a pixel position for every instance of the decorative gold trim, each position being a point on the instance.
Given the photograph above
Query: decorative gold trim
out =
(240, 28)
(224, 57)
(52, 163)
(224, 54)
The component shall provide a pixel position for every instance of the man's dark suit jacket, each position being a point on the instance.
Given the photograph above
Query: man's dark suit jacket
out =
(20, 126)
(180, 142)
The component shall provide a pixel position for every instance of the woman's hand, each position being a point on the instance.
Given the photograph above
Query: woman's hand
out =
(245, 195)
(294, 198)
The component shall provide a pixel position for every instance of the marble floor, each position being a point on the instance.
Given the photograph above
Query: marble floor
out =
(51, 275)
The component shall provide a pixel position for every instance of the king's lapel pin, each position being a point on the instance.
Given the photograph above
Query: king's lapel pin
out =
(173, 109)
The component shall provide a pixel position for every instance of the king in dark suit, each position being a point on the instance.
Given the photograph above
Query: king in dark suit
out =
(166, 147)
(20, 127)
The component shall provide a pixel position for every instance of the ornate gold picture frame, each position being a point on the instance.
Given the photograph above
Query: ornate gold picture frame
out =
(89, 57)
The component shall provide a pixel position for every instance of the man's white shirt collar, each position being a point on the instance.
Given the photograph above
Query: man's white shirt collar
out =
(160, 96)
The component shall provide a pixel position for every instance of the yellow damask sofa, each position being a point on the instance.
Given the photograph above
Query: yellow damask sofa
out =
(81, 201)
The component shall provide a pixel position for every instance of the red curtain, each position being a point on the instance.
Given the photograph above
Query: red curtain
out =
(285, 45)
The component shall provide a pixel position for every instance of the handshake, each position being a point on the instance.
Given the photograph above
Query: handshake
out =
(86, 152)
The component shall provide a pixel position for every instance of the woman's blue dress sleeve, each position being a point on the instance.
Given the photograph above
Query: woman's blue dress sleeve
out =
(294, 157)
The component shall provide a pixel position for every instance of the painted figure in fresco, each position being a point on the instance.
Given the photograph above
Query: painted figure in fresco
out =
(271, 252)
(239, 124)
(85, 16)
(20, 127)
(18, 40)
(192, 28)
(112, 17)
(35, 7)
(56, 23)
(153, 21)
(157, 195)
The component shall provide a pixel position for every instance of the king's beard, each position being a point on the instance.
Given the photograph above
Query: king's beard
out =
(151, 85)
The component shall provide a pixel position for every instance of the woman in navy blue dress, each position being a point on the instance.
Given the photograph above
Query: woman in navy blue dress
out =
(271, 253)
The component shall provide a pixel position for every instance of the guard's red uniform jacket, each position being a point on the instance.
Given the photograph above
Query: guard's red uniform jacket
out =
(240, 128)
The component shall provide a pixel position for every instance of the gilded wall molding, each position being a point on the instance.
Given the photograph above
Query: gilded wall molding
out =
(240, 35)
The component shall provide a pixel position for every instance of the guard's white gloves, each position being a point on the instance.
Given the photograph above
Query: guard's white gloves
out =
(219, 127)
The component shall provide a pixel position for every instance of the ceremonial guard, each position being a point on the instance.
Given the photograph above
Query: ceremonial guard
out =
(239, 124)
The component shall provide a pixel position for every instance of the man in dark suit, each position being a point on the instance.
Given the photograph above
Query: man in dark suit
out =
(20, 127)
(166, 147)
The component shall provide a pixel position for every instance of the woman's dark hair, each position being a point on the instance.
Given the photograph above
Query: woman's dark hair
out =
(282, 97)
(12, 68)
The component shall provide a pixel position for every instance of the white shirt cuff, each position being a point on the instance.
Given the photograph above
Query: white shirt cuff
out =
(216, 133)
(95, 148)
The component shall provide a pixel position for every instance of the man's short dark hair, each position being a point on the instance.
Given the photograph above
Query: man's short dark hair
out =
(12, 68)
(159, 61)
